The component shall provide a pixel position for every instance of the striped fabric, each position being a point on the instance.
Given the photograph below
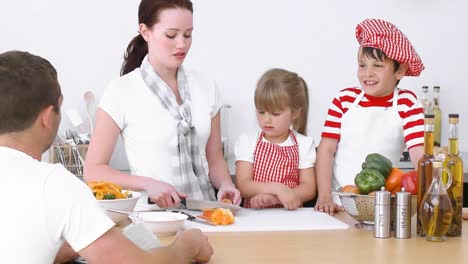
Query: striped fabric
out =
(409, 109)
(382, 35)
(273, 163)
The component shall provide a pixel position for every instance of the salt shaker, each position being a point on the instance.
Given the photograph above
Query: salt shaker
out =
(382, 214)
(403, 214)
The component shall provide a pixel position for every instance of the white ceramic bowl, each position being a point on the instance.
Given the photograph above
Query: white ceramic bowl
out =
(161, 223)
(127, 204)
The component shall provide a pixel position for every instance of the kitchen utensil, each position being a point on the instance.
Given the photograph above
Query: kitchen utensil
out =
(198, 205)
(194, 218)
(123, 206)
(90, 104)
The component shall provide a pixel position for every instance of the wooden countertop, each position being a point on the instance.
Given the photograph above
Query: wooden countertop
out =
(337, 246)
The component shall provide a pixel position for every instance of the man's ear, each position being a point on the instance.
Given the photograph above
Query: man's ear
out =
(47, 117)
(402, 70)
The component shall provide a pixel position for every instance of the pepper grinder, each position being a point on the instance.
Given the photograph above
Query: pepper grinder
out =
(382, 214)
(403, 214)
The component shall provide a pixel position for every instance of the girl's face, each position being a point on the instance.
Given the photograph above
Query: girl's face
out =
(276, 124)
(378, 78)
(170, 39)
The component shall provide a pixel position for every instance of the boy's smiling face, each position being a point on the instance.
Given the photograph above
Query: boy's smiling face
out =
(378, 77)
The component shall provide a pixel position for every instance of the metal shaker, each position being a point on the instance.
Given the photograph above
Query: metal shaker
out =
(403, 214)
(382, 214)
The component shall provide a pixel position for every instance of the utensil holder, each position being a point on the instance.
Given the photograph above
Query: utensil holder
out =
(67, 156)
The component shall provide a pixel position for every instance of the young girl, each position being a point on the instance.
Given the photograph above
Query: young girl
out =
(275, 166)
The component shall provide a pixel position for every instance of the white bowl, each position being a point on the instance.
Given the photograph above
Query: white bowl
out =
(126, 204)
(161, 223)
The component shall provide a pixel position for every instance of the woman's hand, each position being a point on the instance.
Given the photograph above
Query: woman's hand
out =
(326, 204)
(229, 191)
(263, 200)
(289, 198)
(164, 194)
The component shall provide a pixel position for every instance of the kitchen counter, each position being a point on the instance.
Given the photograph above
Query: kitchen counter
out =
(332, 246)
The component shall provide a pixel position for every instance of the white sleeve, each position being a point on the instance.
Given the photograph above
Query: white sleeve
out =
(72, 207)
(307, 153)
(217, 102)
(244, 147)
(111, 104)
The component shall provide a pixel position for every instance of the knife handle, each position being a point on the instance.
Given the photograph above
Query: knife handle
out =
(183, 201)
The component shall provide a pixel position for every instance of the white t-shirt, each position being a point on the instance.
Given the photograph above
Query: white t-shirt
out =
(246, 143)
(149, 131)
(42, 206)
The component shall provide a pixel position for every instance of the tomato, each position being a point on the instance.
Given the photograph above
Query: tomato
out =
(410, 182)
(393, 181)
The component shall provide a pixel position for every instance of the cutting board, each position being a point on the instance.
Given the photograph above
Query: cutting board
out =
(275, 219)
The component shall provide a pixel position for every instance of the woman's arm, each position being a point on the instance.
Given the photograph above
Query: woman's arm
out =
(217, 166)
(97, 167)
(325, 155)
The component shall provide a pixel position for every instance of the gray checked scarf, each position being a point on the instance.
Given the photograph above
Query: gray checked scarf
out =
(191, 175)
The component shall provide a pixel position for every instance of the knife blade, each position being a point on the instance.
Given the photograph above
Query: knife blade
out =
(199, 205)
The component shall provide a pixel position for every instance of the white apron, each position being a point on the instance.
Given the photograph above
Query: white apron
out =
(366, 130)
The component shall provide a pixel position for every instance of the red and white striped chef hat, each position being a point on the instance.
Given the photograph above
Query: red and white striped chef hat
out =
(385, 36)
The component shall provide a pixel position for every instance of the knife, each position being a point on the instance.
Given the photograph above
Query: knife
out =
(194, 219)
(199, 205)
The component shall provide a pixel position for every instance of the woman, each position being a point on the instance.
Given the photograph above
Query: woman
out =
(168, 117)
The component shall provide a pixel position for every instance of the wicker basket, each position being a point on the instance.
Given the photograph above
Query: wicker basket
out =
(72, 157)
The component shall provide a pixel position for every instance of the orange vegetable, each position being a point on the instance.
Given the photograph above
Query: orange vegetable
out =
(393, 181)
(226, 200)
(222, 216)
(207, 212)
(350, 189)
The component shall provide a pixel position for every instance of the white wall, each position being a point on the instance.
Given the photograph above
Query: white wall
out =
(235, 41)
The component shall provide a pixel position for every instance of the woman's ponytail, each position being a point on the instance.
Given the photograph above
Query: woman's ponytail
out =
(136, 51)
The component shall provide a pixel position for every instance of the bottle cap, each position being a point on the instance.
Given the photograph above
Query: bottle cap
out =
(403, 198)
(382, 197)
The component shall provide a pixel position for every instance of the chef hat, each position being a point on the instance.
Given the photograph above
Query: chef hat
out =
(382, 35)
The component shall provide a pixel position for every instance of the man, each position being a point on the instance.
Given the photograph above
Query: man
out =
(44, 204)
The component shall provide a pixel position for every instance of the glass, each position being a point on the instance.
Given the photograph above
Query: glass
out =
(435, 212)
(437, 116)
(425, 165)
(454, 164)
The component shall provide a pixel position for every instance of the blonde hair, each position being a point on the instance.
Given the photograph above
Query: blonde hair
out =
(278, 89)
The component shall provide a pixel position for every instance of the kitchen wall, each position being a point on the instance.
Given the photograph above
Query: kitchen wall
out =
(235, 41)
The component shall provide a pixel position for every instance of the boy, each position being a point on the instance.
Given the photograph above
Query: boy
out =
(379, 117)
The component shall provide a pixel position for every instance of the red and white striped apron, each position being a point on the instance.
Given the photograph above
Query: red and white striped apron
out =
(273, 163)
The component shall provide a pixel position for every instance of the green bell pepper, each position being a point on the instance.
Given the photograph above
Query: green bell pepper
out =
(369, 180)
(378, 162)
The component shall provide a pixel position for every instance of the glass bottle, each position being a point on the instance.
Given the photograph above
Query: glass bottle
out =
(454, 164)
(435, 212)
(425, 164)
(425, 101)
(437, 116)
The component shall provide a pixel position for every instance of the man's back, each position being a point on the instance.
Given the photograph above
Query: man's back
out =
(44, 205)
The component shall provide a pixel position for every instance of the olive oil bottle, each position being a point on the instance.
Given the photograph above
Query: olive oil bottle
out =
(454, 164)
(437, 116)
(425, 165)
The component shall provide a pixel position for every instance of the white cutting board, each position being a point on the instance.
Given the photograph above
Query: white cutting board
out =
(276, 219)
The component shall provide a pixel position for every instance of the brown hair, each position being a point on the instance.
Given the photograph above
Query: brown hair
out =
(148, 14)
(278, 89)
(28, 84)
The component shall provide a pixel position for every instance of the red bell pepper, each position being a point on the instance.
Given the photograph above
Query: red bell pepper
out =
(410, 182)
